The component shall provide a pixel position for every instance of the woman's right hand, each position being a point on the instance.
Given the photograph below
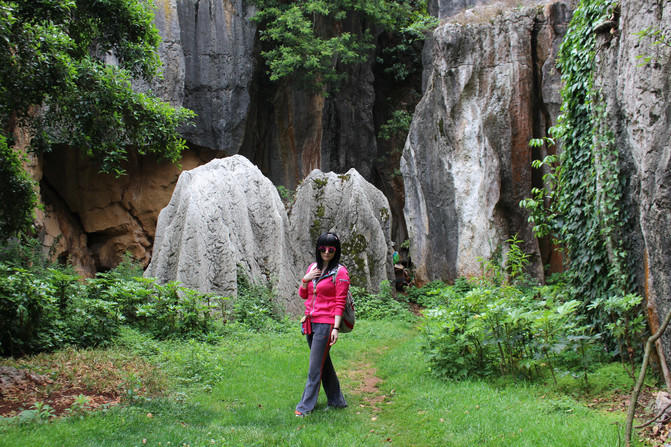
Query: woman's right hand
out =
(312, 274)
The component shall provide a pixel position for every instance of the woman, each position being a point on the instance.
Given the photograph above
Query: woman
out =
(324, 289)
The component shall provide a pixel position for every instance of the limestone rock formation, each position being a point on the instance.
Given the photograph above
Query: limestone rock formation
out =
(170, 86)
(357, 212)
(208, 58)
(225, 216)
(638, 109)
(448, 8)
(466, 162)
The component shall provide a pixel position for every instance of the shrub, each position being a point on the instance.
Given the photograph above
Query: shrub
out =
(17, 191)
(379, 306)
(255, 306)
(43, 309)
(500, 324)
(28, 312)
(492, 331)
(429, 295)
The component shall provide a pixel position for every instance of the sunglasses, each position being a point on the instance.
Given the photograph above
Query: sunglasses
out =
(327, 249)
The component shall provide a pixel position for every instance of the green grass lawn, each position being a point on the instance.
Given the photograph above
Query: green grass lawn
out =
(242, 390)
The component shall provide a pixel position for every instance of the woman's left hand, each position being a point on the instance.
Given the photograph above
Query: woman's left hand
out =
(334, 336)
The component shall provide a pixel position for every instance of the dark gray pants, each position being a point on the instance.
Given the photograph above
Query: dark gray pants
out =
(320, 371)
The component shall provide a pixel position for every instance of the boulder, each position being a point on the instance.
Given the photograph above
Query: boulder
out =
(357, 212)
(225, 217)
(466, 162)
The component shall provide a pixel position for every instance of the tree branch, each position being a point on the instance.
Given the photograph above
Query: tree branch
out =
(641, 378)
(659, 415)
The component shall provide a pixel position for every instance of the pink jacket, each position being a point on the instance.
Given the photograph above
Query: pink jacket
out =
(329, 300)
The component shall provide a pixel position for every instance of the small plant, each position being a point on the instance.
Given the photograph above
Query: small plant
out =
(288, 196)
(626, 324)
(429, 295)
(132, 389)
(254, 307)
(516, 260)
(39, 413)
(79, 407)
(399, 123)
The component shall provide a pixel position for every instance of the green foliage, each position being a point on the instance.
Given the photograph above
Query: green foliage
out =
(17, 194)
(80, 406)
(398, 123)
(27, 312)
(39, 413)
(429, 295)
(400, 53)
(44, 309)
(542, 213)
(311, 39)
(26, 253)
(626, 324)
(658, 37)
(581, 204)
(287, 195)
(55, 83)
(255, 307)
(379, 306)
(514, 270)
(53, 56)
(501, 326)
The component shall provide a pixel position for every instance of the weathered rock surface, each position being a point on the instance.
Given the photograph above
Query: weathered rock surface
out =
(448, 8)
(357, 212)
(171, 86)
(100, 217)
(225, 216)
(638, 100)
(467, 163)
(209, 61)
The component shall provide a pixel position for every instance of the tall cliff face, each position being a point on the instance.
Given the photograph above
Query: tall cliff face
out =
(467, 163)
(638, 107)
(217, 43)
(212, 65)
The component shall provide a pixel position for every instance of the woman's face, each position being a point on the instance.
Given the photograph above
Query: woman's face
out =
(327, 253)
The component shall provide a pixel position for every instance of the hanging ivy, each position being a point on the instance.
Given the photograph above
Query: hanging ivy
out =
(581, 206)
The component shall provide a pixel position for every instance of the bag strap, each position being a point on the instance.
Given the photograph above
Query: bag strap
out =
(336, 273)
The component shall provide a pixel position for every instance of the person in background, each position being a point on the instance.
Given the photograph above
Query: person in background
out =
(324, 288)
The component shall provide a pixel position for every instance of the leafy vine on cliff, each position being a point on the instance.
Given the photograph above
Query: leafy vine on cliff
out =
(581, 205)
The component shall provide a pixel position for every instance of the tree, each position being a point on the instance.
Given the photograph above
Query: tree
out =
(65, 76)
(311, 39)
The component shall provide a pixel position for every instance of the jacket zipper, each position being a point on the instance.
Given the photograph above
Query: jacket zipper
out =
(314, 290)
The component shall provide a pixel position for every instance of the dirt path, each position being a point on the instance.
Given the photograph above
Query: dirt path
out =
(363, 376)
